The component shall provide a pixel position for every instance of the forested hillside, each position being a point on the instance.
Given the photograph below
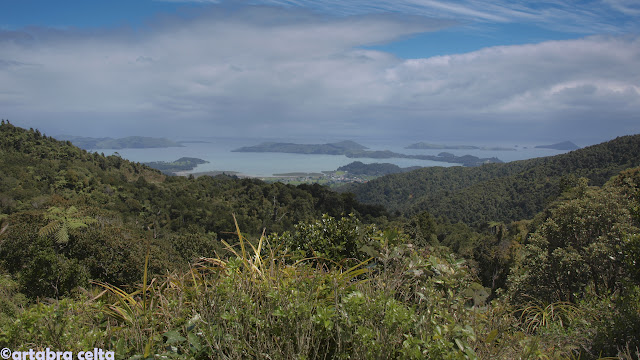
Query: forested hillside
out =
(100, 252)
(50, 184)
(498, 192)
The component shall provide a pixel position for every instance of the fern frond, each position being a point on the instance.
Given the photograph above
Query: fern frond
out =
(62, 235)
(50, 228)
(54, 210)
(77, 224)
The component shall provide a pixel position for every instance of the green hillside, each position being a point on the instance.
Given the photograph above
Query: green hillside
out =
(498, 192)
(102, 253)
(44, 181)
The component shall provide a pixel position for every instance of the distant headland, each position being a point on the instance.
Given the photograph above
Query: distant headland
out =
(565, 145)
(130, 142)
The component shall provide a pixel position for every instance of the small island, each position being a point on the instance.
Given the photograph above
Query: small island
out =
(130, 142)
(565, 145)
(429, 146)
(182, 164)
(352, 149)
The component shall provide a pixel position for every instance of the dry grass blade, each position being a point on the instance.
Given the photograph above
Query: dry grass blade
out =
(241, 239)
(253, 264)
(355, 271)
(125, 308)
(144, 279)
(542, 315)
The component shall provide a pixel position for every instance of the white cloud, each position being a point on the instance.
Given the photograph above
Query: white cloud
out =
(263, 71)
(628, 7)
(585, 17)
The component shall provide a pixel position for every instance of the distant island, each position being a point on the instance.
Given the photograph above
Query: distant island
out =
(182, 164)
(429, 146)
(352, 149)
(337, 148)
(130, 142)
(565, 145)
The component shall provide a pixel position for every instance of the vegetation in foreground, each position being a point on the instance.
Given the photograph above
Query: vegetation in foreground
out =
(100, 258)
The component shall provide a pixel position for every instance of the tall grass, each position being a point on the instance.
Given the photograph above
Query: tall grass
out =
(257, 303)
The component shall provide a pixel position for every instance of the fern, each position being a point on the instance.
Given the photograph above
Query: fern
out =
(50, 228)
(62, 221)
(62, 235)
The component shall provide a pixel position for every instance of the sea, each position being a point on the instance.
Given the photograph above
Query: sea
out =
(218, 152)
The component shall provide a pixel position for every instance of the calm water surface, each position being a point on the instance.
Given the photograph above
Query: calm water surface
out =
(218, 152)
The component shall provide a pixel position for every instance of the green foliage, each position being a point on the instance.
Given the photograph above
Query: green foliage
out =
(63, 221)
(421, 228)
(537, 315)
(578, 250)
(579, 270)
(11, 303)
(164, 270)
(66, 325)
(615, 322)
(497, 250)
(375, 169)
(67, 215)
(497, 192)
(328, 239)
(221, 309)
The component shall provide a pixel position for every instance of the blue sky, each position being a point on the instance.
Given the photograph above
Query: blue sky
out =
(419, 69)
(470, 32)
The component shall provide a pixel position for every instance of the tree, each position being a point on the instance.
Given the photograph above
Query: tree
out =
(579, 250)
(328, 239)
(421, 229)
(62, 221)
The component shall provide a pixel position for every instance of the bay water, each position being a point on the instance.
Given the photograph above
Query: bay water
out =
(218, 152)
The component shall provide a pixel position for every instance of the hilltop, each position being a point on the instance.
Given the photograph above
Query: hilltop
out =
(498, 192)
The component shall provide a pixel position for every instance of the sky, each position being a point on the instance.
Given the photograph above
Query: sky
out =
(471, 71)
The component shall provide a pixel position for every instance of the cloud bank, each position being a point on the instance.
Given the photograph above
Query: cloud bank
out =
(268, 71)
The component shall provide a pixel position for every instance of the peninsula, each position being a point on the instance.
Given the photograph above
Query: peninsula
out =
(182, 164)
